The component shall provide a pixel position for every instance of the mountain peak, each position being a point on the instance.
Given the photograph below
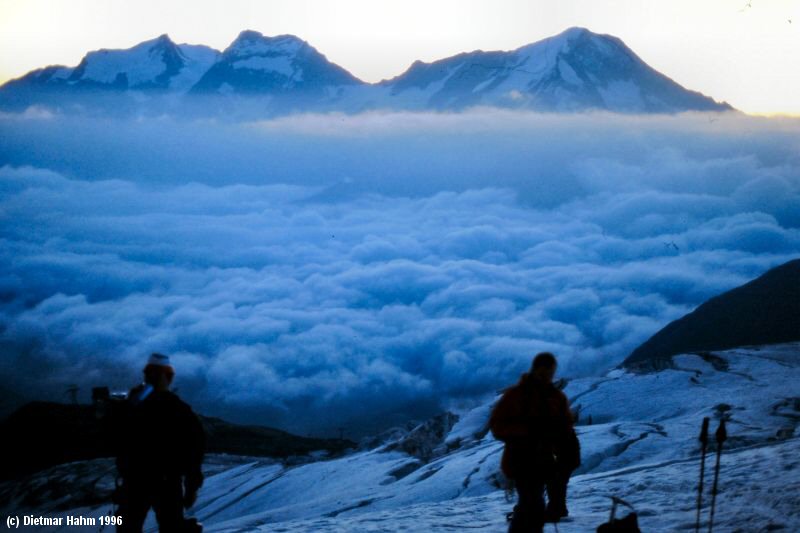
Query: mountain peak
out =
(161, 42)
(282, 65)
(251, 42)
(576, 31)
(562, 42)
(248, 36)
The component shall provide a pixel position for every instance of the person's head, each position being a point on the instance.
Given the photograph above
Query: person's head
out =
(544, 366)
(159, 372)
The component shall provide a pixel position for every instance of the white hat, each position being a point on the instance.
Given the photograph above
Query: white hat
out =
(158, 359)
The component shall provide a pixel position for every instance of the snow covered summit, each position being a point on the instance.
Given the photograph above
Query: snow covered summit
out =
(257, 65)
(576, 69)
(267, 76)
(155, 64)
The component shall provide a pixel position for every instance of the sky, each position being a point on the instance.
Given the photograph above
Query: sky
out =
(321, 271)
(743, 55)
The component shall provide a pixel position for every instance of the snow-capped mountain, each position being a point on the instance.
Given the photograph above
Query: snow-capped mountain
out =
(575, 70)
(284, 65)
(157, 64)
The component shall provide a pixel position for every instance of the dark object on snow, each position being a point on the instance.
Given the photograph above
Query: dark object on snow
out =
(763, 311)
(534, 421)
(629, 524)
(721, 437)
(703, 448)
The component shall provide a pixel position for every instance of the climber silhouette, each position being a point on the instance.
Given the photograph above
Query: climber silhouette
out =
(160, 445)
(534, 421)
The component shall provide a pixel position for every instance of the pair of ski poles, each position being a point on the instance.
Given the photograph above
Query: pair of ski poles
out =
(721, 435)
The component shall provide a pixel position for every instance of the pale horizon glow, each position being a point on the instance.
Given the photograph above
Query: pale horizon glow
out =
(744, 56)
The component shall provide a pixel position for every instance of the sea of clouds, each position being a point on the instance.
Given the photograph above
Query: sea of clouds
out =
(324, 271)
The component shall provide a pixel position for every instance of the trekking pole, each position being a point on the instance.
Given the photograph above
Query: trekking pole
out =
(703, 448)
(721, 435)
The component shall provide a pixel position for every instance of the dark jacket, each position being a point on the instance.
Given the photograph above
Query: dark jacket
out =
(534, 421)
(160, 437)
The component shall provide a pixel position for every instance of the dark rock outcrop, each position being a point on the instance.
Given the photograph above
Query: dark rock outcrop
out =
(763, 311)
(43, 434)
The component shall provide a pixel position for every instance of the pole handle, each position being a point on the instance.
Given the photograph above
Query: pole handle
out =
(704, 431)
(722, 433)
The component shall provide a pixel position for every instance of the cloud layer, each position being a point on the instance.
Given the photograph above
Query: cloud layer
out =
(322, 271)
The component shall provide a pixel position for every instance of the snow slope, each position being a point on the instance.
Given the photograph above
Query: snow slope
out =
(749, 501)
(641, 446)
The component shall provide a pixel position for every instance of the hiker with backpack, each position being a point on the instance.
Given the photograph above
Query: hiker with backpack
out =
(541, 451)
(159, 445)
